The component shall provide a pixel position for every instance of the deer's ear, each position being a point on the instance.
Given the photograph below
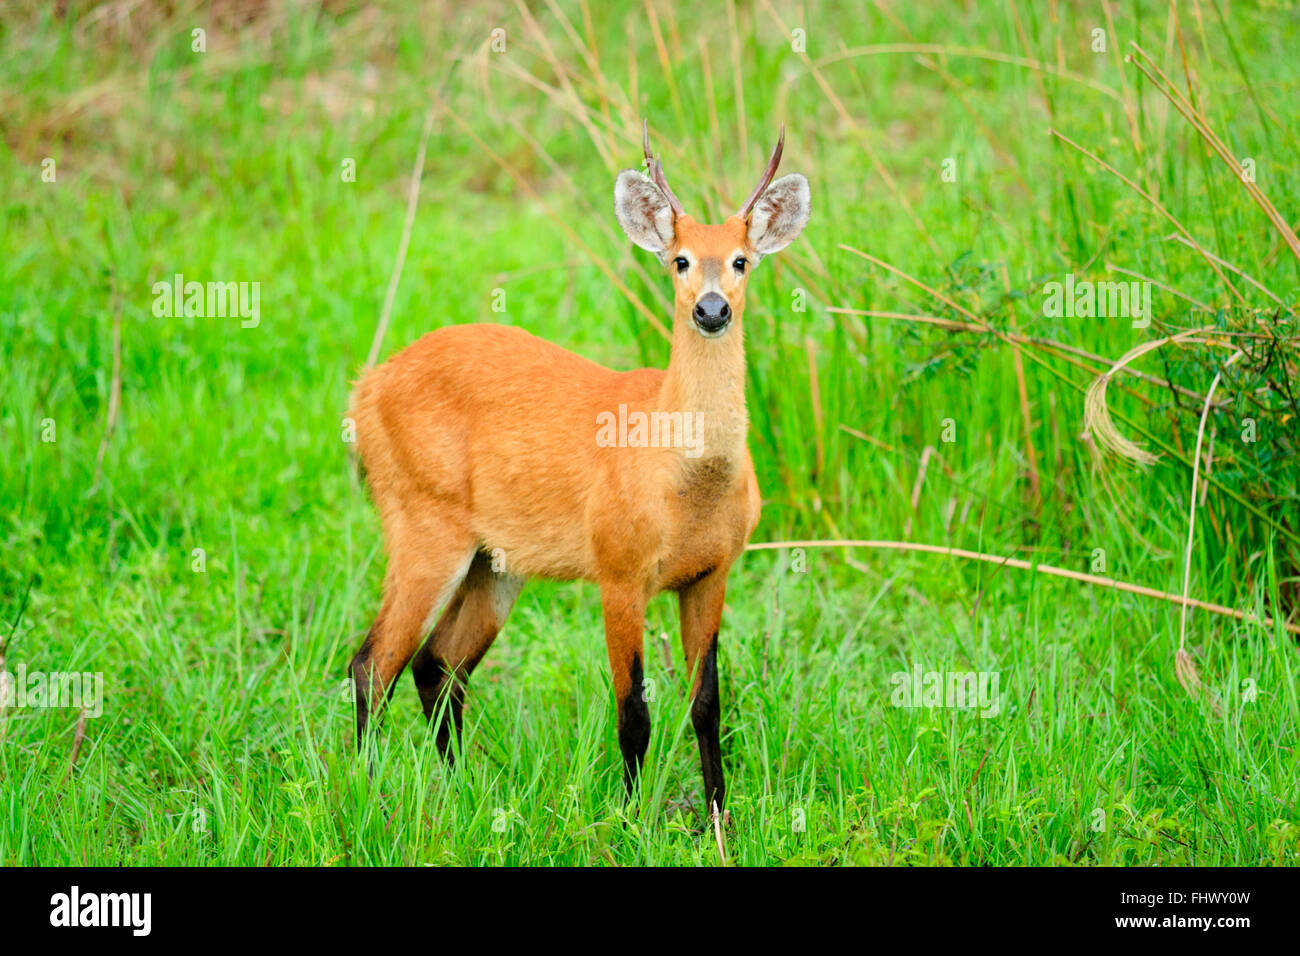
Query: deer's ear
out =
(643, 212)
(780, 214)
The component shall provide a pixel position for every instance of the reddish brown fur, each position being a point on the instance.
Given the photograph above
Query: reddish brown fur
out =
(483, 437)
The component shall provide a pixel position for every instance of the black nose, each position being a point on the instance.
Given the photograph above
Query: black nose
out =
(712, 313)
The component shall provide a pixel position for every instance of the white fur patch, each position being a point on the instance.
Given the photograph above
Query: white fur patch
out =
(447, 592)
(505, 589)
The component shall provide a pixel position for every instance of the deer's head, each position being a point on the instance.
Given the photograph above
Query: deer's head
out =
(710, 264)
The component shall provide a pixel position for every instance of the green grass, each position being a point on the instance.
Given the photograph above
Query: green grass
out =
(226, 732)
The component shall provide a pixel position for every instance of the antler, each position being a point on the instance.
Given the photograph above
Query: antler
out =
(656, 170)
(748, 205)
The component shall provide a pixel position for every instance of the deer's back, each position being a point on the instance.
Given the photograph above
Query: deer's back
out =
(499, 427)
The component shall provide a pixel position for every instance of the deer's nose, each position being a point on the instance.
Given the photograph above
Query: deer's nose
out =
(712, 313)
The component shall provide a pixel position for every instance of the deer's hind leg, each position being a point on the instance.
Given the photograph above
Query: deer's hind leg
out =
(462, 636)
(427, 561)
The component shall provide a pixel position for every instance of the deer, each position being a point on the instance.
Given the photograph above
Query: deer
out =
(482, 442)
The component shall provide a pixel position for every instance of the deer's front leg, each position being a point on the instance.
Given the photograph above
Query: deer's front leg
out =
(624, 609)
(700, 605)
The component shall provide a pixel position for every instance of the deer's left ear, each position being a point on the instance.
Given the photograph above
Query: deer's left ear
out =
(780, 214)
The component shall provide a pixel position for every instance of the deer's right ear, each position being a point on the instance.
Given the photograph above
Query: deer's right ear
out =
(643, 212)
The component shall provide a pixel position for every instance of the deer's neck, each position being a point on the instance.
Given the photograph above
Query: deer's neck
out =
(706, 379)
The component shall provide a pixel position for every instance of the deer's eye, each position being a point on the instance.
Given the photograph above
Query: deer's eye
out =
(682, 264)
(740, 264)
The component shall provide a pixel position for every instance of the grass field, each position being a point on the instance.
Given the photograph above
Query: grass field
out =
(217, 561)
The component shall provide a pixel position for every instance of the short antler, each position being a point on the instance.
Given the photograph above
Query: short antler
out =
(748, 205)
(656, 170)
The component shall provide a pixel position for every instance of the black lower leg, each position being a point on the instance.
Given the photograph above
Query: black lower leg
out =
(360, 669)
(705, 717)
(442, 695)
(366, 689)
(633, 726)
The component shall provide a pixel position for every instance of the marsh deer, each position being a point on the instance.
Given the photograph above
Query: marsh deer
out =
(482, 440)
